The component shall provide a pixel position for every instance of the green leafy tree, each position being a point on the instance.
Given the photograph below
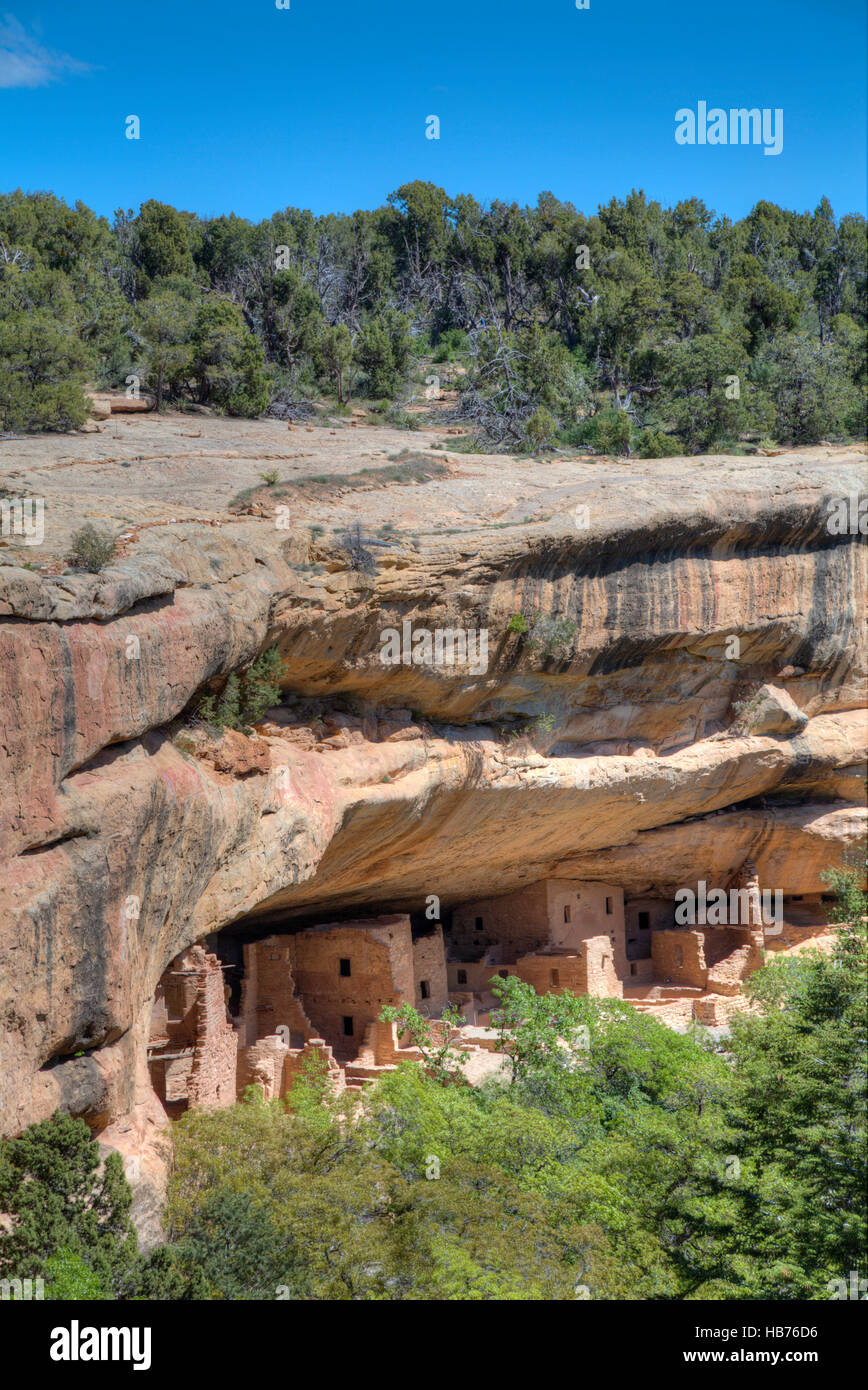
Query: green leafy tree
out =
(336, 353)
(709, 397)
(246, 695)
(43, 361)
(800, 1110)
(434, 1040)
(63, 1203)
(813, 394)
(383, 353)
(227, 363)
(165, 329)
(161, 244)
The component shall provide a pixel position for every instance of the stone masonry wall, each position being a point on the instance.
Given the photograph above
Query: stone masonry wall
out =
(679, 957)
(429, 965)
(269, 998)
(297, 981)
(381, 965)
(212, 1077)
(517, 922)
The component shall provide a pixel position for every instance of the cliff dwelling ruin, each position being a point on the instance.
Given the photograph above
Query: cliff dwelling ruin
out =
(250, 1011)
(192, 911)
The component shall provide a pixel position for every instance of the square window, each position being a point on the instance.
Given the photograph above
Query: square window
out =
(345, 967)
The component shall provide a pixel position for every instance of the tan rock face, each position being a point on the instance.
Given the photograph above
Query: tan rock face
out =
(601, 744)
(773, 711)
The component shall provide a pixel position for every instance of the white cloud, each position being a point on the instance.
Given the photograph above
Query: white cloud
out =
(25, 63)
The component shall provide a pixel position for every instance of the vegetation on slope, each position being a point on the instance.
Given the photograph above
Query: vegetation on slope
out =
(638, 329)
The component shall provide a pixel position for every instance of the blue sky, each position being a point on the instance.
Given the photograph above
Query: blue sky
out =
(247, 108)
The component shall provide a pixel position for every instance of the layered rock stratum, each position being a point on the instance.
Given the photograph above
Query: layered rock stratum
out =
(697, 699)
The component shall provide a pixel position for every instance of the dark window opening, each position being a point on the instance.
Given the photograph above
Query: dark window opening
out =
(644, 921)
(566, 914)
(609, 908)
(462, 977)
(424, 989)
(348, 1027)
(478, 924)
(632, 969)
(504, 974)
(345, 967)
(554, 978)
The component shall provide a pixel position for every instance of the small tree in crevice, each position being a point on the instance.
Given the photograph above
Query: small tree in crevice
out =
(246, 695)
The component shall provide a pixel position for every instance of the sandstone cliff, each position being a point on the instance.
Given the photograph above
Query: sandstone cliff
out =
(619, 737)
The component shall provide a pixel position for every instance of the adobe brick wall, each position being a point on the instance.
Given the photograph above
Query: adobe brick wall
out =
(601, 968)
(593, 908)
(429, 964)
(294, 1065)
(158, 1035)
(294, 981)
(262, 1065)
(590, 969)
(516, 922)
(661, 917)
(679, 957)
(269, 998)
(381, 964)
(731, 955)
(551, 974)
(553, 912)
(477, 976)
(193, 1046)
(212, 1082)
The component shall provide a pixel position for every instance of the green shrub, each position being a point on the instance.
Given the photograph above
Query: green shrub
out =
(654, 444)
(246, 695)
(540, 430)
(91, 549)
(450, 345)
(612, 431)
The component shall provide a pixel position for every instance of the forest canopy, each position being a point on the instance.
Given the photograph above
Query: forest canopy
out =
(638, 329)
